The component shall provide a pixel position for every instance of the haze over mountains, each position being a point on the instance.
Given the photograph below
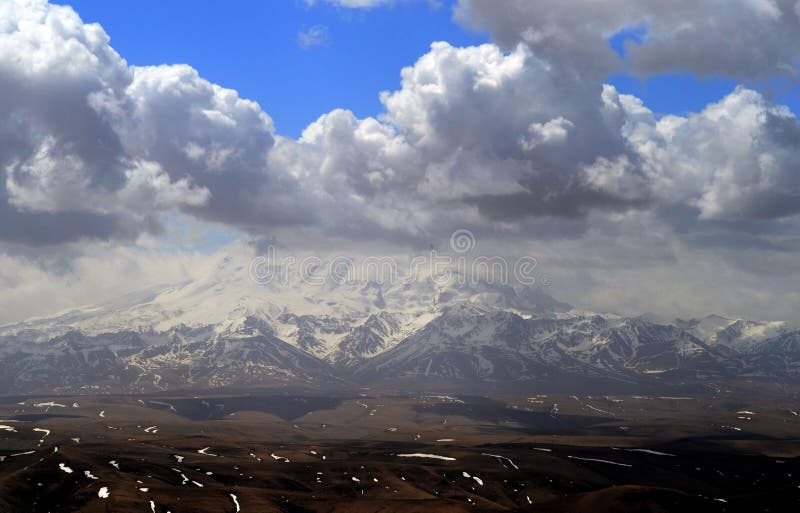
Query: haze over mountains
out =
(225, 330)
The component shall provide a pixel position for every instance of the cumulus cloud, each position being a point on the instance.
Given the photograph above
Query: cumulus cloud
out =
(88, 137)
(518, 140)
(737, 159)
(66, 175)
(747, 39)
(477, 134)
(194, 128)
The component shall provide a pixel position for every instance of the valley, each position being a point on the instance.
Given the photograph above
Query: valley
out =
(365, 451)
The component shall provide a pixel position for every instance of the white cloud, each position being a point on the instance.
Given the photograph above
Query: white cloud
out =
(525, 146)
(499, 136)
(96, 273)
(737, 159)
(353, 4)
(316, 35)
(60, 156)
(554, 131)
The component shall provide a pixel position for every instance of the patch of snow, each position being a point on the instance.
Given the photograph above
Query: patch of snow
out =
(204, 453)
(50, 404)
(600, 461)
(445, 398)
(649, 451)
(41, 430)
(502, 459)
(160, 403)
(598, 409)
(423, 455)
(183, 476)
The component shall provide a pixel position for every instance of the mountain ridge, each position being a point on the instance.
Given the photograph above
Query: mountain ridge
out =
(228, 331)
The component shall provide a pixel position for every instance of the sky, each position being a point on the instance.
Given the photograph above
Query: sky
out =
(349, 57)
(648, 154)
(257, 48)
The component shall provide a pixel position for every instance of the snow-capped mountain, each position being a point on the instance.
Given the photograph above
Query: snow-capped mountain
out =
(739, 334)
(225, 330)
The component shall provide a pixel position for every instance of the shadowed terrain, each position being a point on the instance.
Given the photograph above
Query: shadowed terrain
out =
(368, 452)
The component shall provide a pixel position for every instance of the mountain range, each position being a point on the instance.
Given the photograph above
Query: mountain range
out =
(223, 330)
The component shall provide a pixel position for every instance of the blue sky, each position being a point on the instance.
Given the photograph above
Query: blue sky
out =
(252, 46)
(680, 93)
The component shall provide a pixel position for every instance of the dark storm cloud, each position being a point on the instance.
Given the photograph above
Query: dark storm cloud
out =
(55, 228)
(571, 204)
